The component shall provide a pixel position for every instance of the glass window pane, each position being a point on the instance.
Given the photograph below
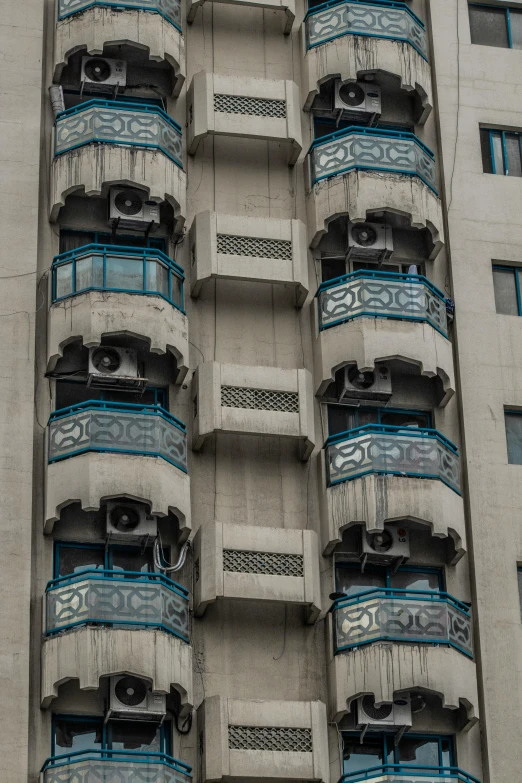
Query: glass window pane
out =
(332, 268)
(83, 273)
(415, 580)
(63, 277)
(485, 149)
(519, 574)
(505, 291)
(488, 26)
(72, 735)
(176, 289)
(340, 419)
(446, 749)
(514, 437)
(405, 419)
(74, 559)
(418, 751)
(351, 580)
(124, 273)
(498, 155)
(129, 559)
(128, 735)
(157, 278)
(516, 28)
(70, 240)
(357, 757)
(513, 155)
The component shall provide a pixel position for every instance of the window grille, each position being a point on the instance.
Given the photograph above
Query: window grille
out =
(258, 107)
(252, 246)
(274, 563)
(270, 738)
(259, 399)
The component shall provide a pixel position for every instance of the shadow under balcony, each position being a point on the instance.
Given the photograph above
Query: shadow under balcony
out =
(121, 273)
(121, 765)
(395, 773)
(99, 449)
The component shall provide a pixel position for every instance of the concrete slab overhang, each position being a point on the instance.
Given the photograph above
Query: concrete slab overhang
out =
(87, 654)
(94, 168)
(91, 478)
(288, 6)
(96, 27)
(94, 315)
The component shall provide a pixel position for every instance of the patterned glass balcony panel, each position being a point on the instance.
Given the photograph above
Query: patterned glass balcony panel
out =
(380, 19)
(169, 9)
(120, 766)
(382, 294)
(399, 451)
(116, 427)
(117, 598)
(114, 122)
(414, 616)
(371, 149)
(111, 268)
(410, 773)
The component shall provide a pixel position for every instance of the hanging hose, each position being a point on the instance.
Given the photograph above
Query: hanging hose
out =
(160, 562)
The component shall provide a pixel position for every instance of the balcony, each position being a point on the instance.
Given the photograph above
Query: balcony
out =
(122, 273)
(168, 9)
(332, 38)
(118, 599)
(102, 141)
(287, 6)
(122, 765)
(101, 449)
(412, 616)
(394, 773)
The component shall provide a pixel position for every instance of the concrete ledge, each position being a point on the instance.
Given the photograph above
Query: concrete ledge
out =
(87, 654)
(91, 478)
(361, 192)
(369, 340)
(215, 580)
(212, 417)
(97, 27)
(209, 263)
(375, 500)
(219, 761)
(351, 56)
(96, 167)
(383, 670)
(204, 120)
(97, 314)
(288, 6)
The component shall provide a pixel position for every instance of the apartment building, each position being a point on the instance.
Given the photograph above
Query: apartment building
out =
(261, 386)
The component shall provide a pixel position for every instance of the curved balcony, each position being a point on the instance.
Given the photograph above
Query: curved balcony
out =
(122, 273)
(168, 9)
(395, 773)
(100, 449)
(123, 765)
(102, 142)
(332, 33)
(392, 615)
(118, 599)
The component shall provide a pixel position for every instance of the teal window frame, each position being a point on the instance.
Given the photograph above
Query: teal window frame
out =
(106, 733)
(509, 412)
(495, 133)
(390, 747)
(108, 551)
(507, 11)
(516, 271)
(388, 571)
(106, 238)
(356, 410)
(160, 394)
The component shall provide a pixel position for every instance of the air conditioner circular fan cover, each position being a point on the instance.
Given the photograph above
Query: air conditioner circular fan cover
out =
(364, 234)
(377, 713)
(130, 691)
(352, 94)
(361, 380)
(380, 542)
(97, 69)
(124, 518)
(128, 202)
(106, 360)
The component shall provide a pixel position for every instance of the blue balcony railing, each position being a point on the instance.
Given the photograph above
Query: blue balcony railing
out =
(399, 773)
(117, 122)
(414, 616)
(372, 149)
(119, 599)
(125, 766)
(389, 19)
(116, 427)
(381, 295)
(386, 449)
(169, 9)
(113, 268)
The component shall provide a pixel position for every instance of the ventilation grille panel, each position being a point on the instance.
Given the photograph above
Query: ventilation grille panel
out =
(251, 246)
(258, 107)
(270, 738)
(259, 399)
(273, 563)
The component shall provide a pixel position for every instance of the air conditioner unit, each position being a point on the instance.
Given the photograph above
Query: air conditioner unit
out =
(129, 521)
(131, 697)
(114, 368)
(374, 386)
(102, 73)
(385, 545)
(132, 209)
(371, 240)
(357, 99)
(387, 716)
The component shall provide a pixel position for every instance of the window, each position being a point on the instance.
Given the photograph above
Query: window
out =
(514, 436)
(324, 126)
(501, 152)
(493, 26)
(72, 733)
(338, 267)
(73, 392)
(71, 240)
(73, 558)
(347, 417)
(350, 579)
(412, 750)
(507, 284)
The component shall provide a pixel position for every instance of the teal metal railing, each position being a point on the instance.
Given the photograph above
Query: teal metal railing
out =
(399, 773)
